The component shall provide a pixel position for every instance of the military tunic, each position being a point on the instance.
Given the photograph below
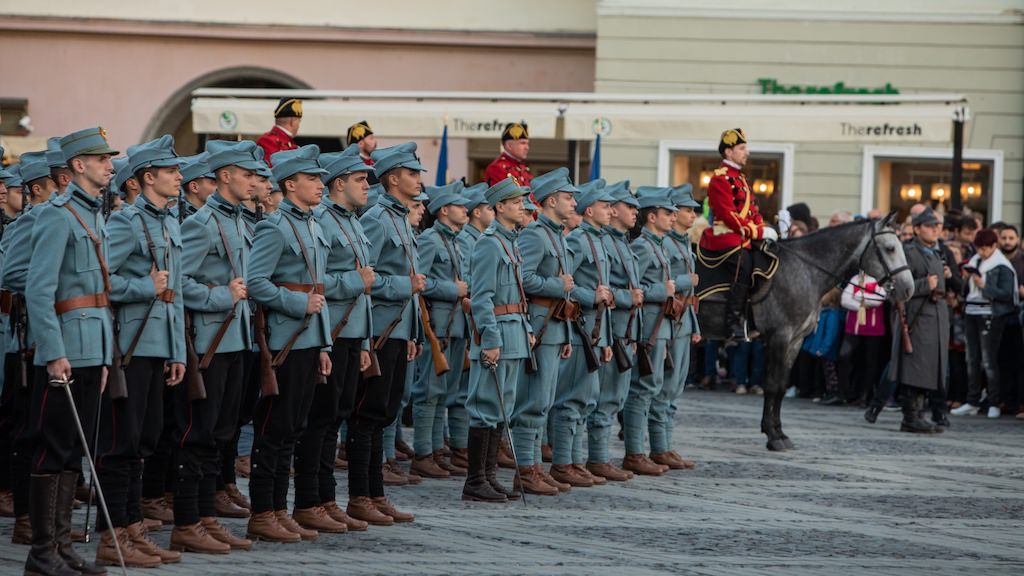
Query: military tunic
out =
(505, 166)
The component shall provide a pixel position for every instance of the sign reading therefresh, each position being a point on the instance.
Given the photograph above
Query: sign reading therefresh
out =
(772, 86)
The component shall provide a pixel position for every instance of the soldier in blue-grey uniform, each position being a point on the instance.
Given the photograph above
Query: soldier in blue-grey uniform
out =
(67, 295)
(685, 331)
(578, 388)
(657, 213)
(624, 281)
(396, 328)
(197, 183)
(501, 340)
(548, 283)
(286, 276)
(145, 277)
(60, 172)
(214, 265)
(348, 279)
(446, 294)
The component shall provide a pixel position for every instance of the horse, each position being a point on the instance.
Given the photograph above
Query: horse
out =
(785, 308)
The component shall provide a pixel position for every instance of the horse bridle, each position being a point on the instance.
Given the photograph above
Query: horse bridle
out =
(886, 280)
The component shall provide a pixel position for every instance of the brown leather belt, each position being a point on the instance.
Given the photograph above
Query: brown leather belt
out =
(166, 296)
(6, 301)
(100, 300)
(545, 302)
(561, 308)
(307, 288)
(517, 308)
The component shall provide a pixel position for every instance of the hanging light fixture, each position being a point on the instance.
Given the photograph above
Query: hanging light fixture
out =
(705, 178)
(970, 190)
(940, 191)
(910, 192)
(764, 187)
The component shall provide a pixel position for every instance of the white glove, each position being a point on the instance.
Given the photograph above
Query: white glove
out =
(769, 234)
(785, 221)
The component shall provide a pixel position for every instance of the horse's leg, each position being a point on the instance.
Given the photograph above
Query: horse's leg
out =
(776, 377)
(789, 355)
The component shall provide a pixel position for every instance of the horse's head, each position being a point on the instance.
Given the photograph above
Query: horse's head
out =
(884, 259)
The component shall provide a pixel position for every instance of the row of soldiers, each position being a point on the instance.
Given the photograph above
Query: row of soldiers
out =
(176, 327)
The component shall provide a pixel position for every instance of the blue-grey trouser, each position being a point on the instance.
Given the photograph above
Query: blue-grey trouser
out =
(663, 406)
(535, 394)
(611, 398)
(393, 432)
(576, 394)
(483, 405)
(458, 418)
(642, 391)
(429, 396)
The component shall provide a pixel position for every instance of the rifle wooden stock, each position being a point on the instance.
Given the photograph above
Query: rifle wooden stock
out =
(645, 363)
(194, 384)
(268, 378)
(117, 386)
(436, 353)
(593, 362)
(373, 370)
(620, 352)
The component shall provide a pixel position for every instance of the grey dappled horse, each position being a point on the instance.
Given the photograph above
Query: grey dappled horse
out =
(786, 309)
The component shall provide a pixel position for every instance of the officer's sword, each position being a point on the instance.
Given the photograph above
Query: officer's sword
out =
(92, 475)
(493, 368)
(65, 383)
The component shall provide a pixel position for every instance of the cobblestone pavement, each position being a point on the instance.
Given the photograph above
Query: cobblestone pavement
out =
(853, 498)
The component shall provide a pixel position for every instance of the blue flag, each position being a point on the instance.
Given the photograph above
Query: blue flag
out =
(442, 160)
(595, 164)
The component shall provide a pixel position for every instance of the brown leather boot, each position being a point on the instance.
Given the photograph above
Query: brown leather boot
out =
(686, 462)
(150, 525)
(264, 526)
(447, 466)
(22, 531)
(316, 518)
(243, 466)
(145, 544)
(288, 523)
(106, 553)
(353, 525)
(222, 534)
(546, 453)
(562, 486)
(157, 509)
(460, 458)
(582, 471)
(403, 451)
(226, 508)
(665, 459)
(529, 480)
(341, 464)
(424, 465)
(7, 504)
(237, 497)
(195, 538)
(505, 459)
(384, 506)
(394, 474)
(362, 508)
(607, 471)
(567, 474)
(78, 535)
(641, 464)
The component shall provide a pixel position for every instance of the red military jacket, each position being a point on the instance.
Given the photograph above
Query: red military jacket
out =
(275, 141)
(736, 219)
(504, 166)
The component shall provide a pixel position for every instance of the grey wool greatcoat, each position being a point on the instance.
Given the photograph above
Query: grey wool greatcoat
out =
(928, 321)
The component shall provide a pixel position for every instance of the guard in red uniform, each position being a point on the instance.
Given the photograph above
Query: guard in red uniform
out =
(287, 118)
(515, 146)
(737, 222)
(360, 133)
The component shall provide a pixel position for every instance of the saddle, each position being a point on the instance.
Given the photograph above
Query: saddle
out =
(717, 271)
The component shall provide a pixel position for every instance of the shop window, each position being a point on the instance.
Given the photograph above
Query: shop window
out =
(764, 172)
(903, 182)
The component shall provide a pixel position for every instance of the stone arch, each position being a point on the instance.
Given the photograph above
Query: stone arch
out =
(175, 115)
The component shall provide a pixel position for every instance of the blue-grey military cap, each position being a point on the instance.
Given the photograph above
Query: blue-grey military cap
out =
(245, 154)
(13, 178)
(344, 162)
(54, 155)
(504, 190)
(475, 195)
(299, 161)
(121, 174)
(442, 196)
(4, 174)
(555, 181)
(925, 218)
(196, 167)
(654, 197)
(529, 205)
(621, 192)
(683, 196)
(33, 166)
(87, 142)
(157, 153)
(591, 192)
(264, 170)
(401, 156)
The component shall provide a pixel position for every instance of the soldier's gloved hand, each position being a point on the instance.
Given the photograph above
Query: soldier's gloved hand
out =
(768, 234)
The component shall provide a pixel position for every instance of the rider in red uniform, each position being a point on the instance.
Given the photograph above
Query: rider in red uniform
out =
(287, 118)
(737, 222)
(515, 146)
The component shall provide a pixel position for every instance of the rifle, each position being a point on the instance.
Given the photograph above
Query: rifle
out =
(593, 361)
(117, 386)
(268, 377)
(436, 353)
(908, 346)
(194, 384)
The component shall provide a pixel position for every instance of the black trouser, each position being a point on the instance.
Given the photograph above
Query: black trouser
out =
(250, 394)
(19, 440)
(56, 446)
(983, 334)
(129, 430)
(860, 364)
(203, 428)
(377, 402)
(278, 423)
(159, 473)
(316, 448)
(1011, 363)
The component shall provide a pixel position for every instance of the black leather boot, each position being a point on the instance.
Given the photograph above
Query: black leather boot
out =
(871, 414)
(62, 525)
(477, 488)
(736, 315)
(912, 421)
(43, 559)
(491, 465)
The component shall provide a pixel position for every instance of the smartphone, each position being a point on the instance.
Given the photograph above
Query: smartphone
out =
(972, 270)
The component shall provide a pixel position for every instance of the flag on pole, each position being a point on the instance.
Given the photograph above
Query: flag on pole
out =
(595, 164)
(442, 159)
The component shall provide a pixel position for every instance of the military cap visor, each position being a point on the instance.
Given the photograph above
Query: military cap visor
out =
(555, 181)
(506, 189)
(87, 142)
(654, 197)
(33, 166)
(300, 161)
(925, 218)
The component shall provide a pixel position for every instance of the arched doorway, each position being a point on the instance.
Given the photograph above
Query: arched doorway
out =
(175, 116)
